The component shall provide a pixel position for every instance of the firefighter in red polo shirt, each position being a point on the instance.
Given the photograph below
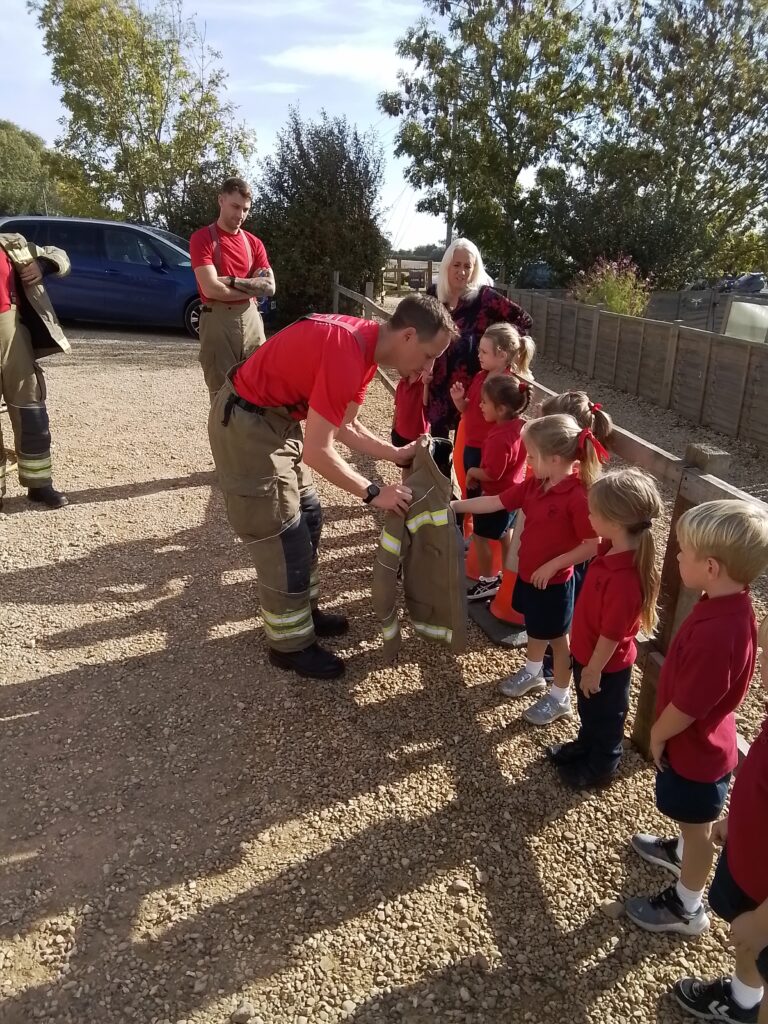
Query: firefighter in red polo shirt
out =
(232, 272)
(317, 370)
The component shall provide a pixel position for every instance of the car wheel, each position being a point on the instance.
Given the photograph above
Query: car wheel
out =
(192, 318)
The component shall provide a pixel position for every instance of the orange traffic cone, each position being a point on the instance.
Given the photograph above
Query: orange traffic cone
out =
(470, 565)
(501, 606)
(471, 568)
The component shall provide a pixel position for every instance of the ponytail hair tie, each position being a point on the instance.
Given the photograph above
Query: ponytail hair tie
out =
(523, 386)
(594, 406)
(644, 524)
(600, 451)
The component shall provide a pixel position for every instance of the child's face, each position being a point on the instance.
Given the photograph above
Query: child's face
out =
(542, 465)
(603, 527)
(488, 409)
(489, 358)
(696, 572)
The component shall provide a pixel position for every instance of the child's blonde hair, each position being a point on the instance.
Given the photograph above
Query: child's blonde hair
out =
(518, 348)
(586, 412)
(762, 634)
(561, 435)
(732, 531)
(630, 498)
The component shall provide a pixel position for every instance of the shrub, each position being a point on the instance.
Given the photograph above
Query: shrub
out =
(615, 284)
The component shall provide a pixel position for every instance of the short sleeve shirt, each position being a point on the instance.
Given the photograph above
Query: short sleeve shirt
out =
(476, 426)
(6, 282)
(233, 253)
(706, 675)
(410, 414)
(322, 362)
(503, 456)
(749, 806)
(609, 605)
(556, 521)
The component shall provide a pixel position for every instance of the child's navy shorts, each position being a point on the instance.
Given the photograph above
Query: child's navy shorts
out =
(692, 803)
(547, 612)
(399, 441)
(493, 525)
(727, 899)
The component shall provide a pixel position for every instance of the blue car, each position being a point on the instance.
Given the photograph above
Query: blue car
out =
(121, 273)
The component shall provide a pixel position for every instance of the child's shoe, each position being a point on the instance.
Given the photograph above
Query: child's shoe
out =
(661, 852)
(578, 775)
(666, 913)
(547, 710)
(566, 753)
(712, 1001)
(484, 589)
(522, 682)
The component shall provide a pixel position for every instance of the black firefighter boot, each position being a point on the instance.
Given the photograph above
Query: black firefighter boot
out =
(314, 662)
(47, 496)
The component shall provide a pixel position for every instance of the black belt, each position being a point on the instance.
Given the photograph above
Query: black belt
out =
(257, 410)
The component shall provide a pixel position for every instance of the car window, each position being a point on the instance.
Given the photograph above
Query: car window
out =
(171, 256)
(126, 246)
(75, 238)
(33, 230)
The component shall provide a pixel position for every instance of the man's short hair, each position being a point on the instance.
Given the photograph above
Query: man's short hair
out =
(732, 531)
(236, 185)
(425, 314)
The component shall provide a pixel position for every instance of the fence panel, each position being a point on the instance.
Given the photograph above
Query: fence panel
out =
(538, 308)
(726, 382)
(630, 350)
(585, 325)
(754, 416)
(653, 360)
(567, 340)
(607, 347)
(552, 329)
(690, 377)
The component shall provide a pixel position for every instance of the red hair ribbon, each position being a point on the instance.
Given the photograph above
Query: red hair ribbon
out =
(523, 386)
(600, 451)
(594, 406)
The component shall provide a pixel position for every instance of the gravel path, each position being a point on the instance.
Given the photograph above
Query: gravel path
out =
(186, 833)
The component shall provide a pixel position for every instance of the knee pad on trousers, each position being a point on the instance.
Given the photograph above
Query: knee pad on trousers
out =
(35, 430)
(297, 555)
(312, 514)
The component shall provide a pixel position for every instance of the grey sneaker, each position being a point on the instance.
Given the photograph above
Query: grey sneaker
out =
(662, 852)
(665, 913)
(522, 682)
(547, 710)
(484, 589)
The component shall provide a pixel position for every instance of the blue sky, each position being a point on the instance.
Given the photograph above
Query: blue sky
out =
(338, 55)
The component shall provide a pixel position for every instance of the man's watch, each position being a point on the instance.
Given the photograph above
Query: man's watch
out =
(231, 280)
(372, 491)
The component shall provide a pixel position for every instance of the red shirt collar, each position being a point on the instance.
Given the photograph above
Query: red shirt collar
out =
(713, 607)
(615, 560)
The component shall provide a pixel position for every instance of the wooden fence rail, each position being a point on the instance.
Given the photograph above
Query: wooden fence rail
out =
(694, 480)
(707, 378)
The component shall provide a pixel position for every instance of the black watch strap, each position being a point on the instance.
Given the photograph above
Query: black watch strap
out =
(372, 491)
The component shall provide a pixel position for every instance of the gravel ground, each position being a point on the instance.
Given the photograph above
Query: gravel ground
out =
(187, 834)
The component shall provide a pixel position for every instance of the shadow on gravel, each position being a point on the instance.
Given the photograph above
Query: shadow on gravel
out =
(136, 785)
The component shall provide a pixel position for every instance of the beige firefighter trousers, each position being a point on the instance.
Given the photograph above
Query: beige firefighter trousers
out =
(228, 335)
(22, 388)
(273, 507)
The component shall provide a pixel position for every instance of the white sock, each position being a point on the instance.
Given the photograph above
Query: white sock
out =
(746, 996)
(534, 667)
(562, 694)
(690, 898)
(680, 846)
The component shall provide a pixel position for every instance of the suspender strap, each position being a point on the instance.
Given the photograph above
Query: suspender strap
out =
(217, 249)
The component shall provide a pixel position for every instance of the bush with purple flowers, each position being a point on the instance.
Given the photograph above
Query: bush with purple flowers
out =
(616, 284)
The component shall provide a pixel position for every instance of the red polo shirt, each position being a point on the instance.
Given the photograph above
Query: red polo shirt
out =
(556, 521)
(315, 363)
(410, 415)
(476, 426)
(233, 254)
(749, 806)
(6, 281)
(706, 674)
(503, 456)
(609, 605)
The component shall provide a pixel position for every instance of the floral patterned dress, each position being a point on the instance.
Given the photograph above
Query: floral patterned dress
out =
(472, 316)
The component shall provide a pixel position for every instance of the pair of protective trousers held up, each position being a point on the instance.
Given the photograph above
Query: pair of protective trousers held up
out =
(273, 507)
(22, 388)
(228, 335)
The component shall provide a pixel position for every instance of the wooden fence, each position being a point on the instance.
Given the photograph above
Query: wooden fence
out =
(707, 378)
(694, 480)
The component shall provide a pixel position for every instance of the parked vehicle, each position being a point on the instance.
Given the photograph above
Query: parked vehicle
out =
(535, 275)
(750, 284)
(121, 273)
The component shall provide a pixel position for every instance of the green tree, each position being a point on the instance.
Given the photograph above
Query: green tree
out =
(26, 185)
(503, 88)
(318, 210)
(145, 124)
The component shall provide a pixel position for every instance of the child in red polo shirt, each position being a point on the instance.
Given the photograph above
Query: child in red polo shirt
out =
(618, 597)
(503, 463)
(739, 890)
(565, 460)
(410, 420)
(705, 676)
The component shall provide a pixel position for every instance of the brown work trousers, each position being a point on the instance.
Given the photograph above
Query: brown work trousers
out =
(273, 507)
(22, 388)
(228, 335)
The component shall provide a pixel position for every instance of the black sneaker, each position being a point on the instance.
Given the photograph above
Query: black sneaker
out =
(566, 753)
(330, 623)
(712, 1001)
(662, 852)
(578, 775)
(485, 588)
(48, 496)
(311, 663)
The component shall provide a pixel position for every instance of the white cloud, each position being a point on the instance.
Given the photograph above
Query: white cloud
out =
(375, 64)
(274, 88)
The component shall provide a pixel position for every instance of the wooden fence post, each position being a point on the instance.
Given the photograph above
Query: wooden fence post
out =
(665, 399)
(675, 601)
(335, 296)
(593, 341)
(399, 275)
(430, 271)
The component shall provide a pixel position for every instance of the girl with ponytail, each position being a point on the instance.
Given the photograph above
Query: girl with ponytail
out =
(617, 599)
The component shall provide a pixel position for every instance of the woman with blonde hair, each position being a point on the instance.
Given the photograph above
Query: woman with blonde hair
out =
(466, 289)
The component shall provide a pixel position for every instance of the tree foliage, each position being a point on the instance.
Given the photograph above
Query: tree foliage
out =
(146, 131)
(318, 210)
(26, 184)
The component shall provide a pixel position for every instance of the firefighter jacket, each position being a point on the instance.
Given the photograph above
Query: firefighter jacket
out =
(428, 546)
(34, 306)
